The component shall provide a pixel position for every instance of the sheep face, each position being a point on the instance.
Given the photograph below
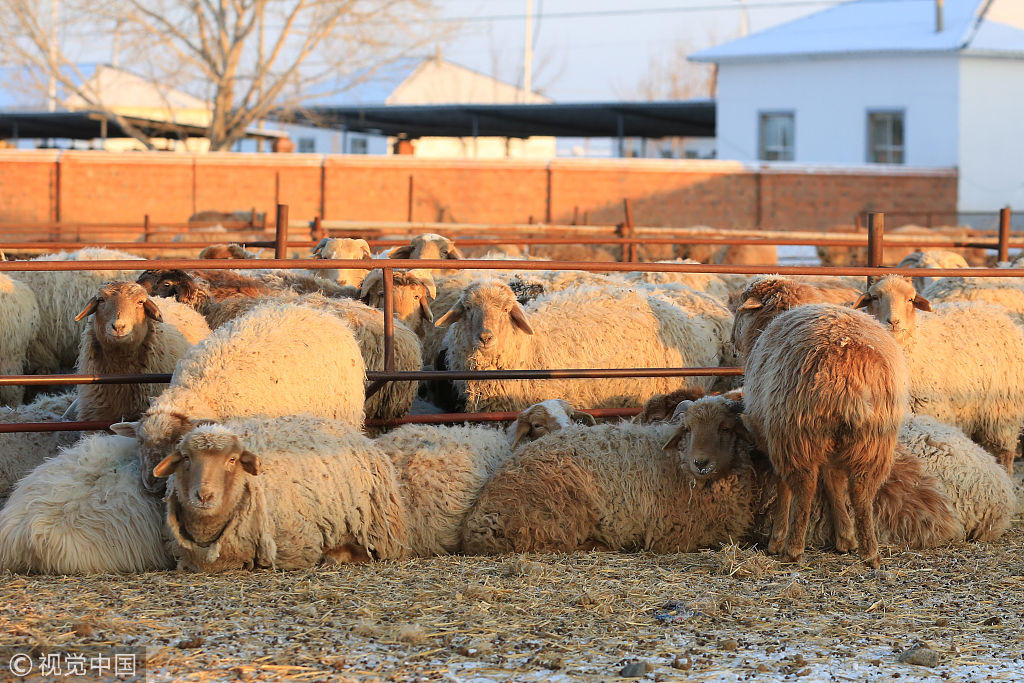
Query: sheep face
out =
(709, 435)
(412, 294)
(121, 312)
(158, 434)
(209, 467)
(428, 246)
(490, 312)
(173, 284)
(894, 302)
(545, 418)
(342, 248)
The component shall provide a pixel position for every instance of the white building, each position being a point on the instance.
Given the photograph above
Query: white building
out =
(916, 82)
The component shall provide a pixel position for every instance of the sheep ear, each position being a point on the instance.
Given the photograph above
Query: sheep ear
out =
(369, 282)
(862, 301)
(365, 249)
(318, 250)
(681, 408)
(404, 251)
(454, 254)
(922, 304)
(585, 418)
(673, 443)
(456, 312)
(425, 309)
(89, 309)
(522, 429)
(750, 305)
(250, 463)
(518, 316)
(166, 467)
(128, 429)
(152, 310)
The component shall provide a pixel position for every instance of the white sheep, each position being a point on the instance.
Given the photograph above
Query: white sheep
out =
(579, 328)
(714, 284)
(131, 333)
(1005, 293)
(282, 493)
(279, 359)
(21, 452)
(966, 362)
(61, 295)
(932, 258)
(342, 248)
(429, 246)
(543, 418)
(20, 315)
(84, 512)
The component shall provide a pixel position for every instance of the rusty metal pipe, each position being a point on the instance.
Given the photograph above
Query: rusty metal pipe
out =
(1004, 234)
(281, 231)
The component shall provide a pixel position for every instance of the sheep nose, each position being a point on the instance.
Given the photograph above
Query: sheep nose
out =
(486, 337)
(119, 328)
(205, 496)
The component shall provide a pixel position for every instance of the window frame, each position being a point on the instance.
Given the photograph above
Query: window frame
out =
(890, 148)
(762, 150)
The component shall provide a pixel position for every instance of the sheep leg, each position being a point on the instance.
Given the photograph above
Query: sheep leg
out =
(780, 529)
(862, 493)
(804, 485)
(837, 488)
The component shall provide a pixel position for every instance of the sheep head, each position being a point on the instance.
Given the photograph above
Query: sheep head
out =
(759, 303)
(710, 435)
(546, 417)
(412, 293)
(428, 246)
(209, 465)
(121, 313)
(232, 251)
(174, 284)
(342, 248)
(490, 311)
(661, 407)
(894, 302)
(158, 432)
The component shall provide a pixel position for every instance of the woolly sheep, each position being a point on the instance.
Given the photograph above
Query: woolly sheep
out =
(131, 333)
(429, 247)
(412, 293)
(966, 362)
(279, 359)
(342, 248)
(576, 328)
(61, 295)
(233, 250)
(858, 256)
(441, 470)
(933, 258)
(1005, 293)
(543, 418)
(826, 389)
(735, 254)
(21, 452)
(84, 512)
(241, 498)
(20, 315)
(709, 283)
(609, 487)
(662, 407)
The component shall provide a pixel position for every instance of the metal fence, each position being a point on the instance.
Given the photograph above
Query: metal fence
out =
(874, 241)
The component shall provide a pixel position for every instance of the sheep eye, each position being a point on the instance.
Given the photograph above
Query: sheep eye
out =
(165, 283)
(99, 299)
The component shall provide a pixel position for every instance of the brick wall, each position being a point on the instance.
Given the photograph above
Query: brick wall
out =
(101, 187)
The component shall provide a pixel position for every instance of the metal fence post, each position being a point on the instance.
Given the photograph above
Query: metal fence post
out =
(876, 233)
(1004, 234)
(281, 241)
(629, 231)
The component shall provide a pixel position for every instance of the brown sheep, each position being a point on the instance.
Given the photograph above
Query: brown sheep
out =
(660, 408)
(235, 251)
(412, 293)
(543, 418)
(826, 390)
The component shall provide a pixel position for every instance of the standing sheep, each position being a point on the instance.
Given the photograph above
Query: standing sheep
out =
(1004, 293)
(84, 512)
(20, 315)
(131, 333)
(586, 328)
(233, 250)
(342, 248)
(279, 359)
(283, 493)
(826, 390)
(966, 363)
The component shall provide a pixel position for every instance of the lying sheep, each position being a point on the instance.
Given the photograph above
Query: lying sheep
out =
(233, 250)
(131, 333)
(21, 452)
(587, 328)
(933, 258)
(342, 248)
(826, 389)
(1004, 293)
(858, 256)
(20, 315)
(710, 283)
(966, 362)
(83, 512)
(608, 487)
(733, 254)
(412, 293)
(241, 497)
(60, 295)
(440, 471)
(279, 359)
(544, 418)
(662, 407)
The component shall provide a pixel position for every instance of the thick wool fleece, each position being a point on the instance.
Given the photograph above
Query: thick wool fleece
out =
(21, 452)
(19, 314)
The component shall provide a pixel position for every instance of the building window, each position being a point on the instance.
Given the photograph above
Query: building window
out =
(307, 145)
(885, 137)
(777, 133)
(357, 146)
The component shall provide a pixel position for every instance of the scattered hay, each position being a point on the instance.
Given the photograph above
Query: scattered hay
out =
(411, 634)
(733, 560)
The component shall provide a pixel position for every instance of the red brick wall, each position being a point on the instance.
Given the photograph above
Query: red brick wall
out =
(100, 187)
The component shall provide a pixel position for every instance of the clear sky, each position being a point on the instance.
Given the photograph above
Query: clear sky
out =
(599, 57)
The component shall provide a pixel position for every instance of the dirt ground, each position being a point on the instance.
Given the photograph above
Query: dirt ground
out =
(732, 614)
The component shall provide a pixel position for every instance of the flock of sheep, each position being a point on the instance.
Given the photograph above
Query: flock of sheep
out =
(905, 405)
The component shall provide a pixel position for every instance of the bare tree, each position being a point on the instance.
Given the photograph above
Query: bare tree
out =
(244, 58)
(670, 76)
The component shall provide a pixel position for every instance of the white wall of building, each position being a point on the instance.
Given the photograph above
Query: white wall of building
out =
(991, 135)
(831, 98)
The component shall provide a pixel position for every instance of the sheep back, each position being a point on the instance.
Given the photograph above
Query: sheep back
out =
(21, 452)
(19, 312)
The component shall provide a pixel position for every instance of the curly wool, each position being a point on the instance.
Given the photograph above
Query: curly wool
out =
(20, 315)
(1004, 293)
(21, 452)
(83, 512)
